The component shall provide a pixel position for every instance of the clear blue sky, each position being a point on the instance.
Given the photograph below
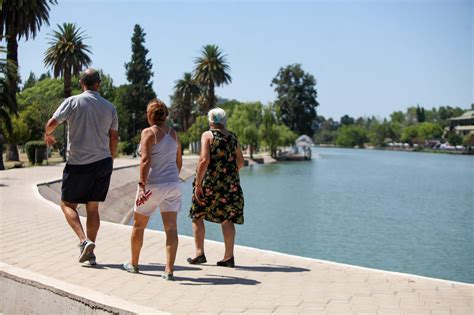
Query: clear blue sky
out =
(369, 57)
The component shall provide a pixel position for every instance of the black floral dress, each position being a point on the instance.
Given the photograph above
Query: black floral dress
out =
(223, 196)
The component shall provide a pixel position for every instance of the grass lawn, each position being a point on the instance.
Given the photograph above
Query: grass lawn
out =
(54, 159)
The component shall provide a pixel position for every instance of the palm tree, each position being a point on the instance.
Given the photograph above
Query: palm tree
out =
(186, 90)
(8, 105)
(20, 19)
(67, 56)
(211, 70)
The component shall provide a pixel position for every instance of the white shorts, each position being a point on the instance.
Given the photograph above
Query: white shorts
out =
(166, 197)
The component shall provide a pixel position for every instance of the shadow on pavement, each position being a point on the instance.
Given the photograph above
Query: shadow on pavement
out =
(151, 267)
(216, 280)
(272, 268)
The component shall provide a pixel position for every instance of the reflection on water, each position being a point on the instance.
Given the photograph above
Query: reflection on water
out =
(407, 212)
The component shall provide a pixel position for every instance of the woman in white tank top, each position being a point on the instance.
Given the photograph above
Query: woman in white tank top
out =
(158, 186)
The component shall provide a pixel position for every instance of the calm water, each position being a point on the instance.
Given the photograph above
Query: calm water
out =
(399, 211)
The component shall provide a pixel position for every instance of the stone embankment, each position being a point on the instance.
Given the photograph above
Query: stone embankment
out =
(118, 206)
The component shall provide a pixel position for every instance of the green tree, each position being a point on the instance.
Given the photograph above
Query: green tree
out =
(38, 103)
(411, 135)
(30, 81)
(430, 131)
(453, 138)
(20, 19)
(195, 131)
(46, 75)
(325, 136)
(122, 97)
(107, 88)
(418, 134)
(245, 120)
(8, 106)
(468, 141)
(397, 117)
(380, 133)
(250, 137)
(67, 55)
(139, 74)
(211, 70)
(20, 134)
(296, 99)
(187, 91)
(347, 120)
(268, 130)
(351, 136)
(447, 112)
(420, 114)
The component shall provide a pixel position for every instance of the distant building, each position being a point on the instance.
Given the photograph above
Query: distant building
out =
(464, 124)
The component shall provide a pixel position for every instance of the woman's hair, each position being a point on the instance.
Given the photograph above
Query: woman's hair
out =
(217, 116)
(156, 111)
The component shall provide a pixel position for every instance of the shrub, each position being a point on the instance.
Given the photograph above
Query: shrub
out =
(184, 138)
(125, 147)
(35, 150)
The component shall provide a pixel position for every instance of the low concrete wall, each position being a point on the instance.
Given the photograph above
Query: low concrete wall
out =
(118, 206)
(26, 292)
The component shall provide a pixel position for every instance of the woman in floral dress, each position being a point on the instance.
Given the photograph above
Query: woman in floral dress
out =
(217, 193)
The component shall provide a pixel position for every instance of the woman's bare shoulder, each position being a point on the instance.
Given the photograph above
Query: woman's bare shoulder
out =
(147, 132)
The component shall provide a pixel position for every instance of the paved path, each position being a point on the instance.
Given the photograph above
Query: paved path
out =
(34, 236)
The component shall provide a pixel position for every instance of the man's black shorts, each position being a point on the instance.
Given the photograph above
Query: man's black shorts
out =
(88, 182)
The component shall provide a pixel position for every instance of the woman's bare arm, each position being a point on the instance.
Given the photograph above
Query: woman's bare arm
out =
(179, 154)
(146, 142)
(239, 157)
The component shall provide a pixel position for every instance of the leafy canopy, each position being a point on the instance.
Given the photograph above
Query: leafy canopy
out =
(296, 99)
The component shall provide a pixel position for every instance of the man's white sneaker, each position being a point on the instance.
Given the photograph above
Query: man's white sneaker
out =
(92, 261)
(86, 248)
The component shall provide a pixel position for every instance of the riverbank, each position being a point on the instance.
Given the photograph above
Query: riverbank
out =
(35, 239)
(420, 150)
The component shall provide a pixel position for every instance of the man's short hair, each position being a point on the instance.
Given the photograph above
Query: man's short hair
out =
(90, 77)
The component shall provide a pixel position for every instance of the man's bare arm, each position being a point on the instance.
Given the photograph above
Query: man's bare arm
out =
(48, 131)
(114, 136)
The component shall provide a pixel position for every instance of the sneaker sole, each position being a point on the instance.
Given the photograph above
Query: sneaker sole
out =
(124, 267)
(85, 255)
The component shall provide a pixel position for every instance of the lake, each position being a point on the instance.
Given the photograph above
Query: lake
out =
(399, 211)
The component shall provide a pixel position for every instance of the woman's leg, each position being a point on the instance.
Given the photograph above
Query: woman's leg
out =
(199, 232)
(228, 231)
(171, 230)
(139, 225)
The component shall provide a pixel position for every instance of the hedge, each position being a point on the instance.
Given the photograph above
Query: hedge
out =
(35, 150)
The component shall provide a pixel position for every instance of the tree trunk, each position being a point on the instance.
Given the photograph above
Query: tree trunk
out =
(212, 97)
(183, 121)
(12, 153)
(67, 82)
(186, 121)
(251, 152)
(12, 55)
(2, 166)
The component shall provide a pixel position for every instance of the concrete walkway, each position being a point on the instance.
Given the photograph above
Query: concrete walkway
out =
(35, 239)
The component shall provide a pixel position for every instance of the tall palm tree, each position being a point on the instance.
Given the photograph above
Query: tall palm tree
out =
(211, 70)
(19, 19)
(67, 56)
(8, 105)
(187, 90)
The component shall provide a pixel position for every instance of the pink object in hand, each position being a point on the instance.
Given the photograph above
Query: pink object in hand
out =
(141, 200)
